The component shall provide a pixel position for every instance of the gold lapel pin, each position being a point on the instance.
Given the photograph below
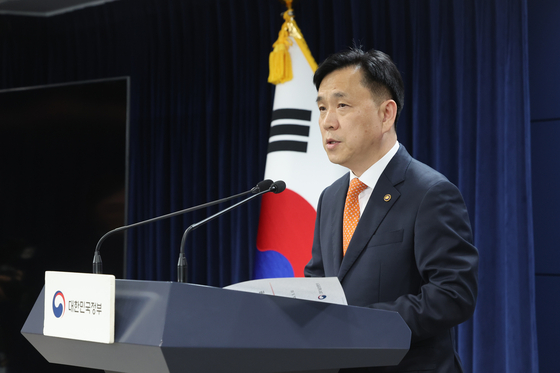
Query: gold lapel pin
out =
(387, 198)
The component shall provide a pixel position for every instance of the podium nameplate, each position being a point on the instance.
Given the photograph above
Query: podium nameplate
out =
(80, 306)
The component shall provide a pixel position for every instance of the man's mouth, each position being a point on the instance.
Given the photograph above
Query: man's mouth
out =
(331, 143)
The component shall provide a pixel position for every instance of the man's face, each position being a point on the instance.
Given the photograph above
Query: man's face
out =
(351, 122)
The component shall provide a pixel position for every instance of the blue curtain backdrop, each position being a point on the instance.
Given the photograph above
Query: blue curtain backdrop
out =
(200, 112)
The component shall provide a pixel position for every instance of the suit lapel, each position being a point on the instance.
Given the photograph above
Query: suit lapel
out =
(377, 208)
(336, 233)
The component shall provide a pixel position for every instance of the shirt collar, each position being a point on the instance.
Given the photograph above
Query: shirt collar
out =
(372, 174)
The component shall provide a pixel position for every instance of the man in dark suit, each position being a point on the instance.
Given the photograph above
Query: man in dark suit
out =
(411, 250)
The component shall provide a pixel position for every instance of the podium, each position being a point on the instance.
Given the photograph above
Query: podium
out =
(175, 327)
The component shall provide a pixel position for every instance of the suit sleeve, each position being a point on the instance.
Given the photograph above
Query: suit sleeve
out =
(447, 263)
(315, 266)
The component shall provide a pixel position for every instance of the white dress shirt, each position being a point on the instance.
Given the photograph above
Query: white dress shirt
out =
(372, 174)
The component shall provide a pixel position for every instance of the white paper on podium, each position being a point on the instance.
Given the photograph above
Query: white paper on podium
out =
(319, 289)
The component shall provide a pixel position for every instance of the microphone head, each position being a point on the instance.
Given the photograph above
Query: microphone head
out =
(278, 187)
(262, 186)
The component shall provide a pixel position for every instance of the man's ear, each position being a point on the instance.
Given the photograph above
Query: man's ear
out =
(389, 112)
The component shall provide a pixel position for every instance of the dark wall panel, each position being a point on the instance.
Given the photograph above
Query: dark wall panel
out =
(548, 322)
(544, 58)
(62, 185)
(546, 195)
(544, 79)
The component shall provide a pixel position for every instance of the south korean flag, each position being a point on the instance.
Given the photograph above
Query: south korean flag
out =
(295, 155)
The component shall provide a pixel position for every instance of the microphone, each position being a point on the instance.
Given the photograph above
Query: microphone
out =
(264, 185)
(275, 187)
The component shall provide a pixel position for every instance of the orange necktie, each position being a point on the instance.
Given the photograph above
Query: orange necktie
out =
(351, 212)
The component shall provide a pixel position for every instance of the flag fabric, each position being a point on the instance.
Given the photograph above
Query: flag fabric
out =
(296, 156)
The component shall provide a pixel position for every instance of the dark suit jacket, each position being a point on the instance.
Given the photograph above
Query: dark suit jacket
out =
(412, 254)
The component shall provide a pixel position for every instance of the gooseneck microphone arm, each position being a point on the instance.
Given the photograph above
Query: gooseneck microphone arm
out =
(276, 187)
(97, 262)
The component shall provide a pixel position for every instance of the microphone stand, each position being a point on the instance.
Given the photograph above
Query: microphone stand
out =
(276, 187)
(98, 263)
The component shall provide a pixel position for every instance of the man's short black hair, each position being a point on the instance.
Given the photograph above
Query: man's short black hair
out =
(380, 74)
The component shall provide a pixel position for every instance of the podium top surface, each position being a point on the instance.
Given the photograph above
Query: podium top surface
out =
(175, 325)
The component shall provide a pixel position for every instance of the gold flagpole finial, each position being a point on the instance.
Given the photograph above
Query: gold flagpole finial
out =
(280, 63)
